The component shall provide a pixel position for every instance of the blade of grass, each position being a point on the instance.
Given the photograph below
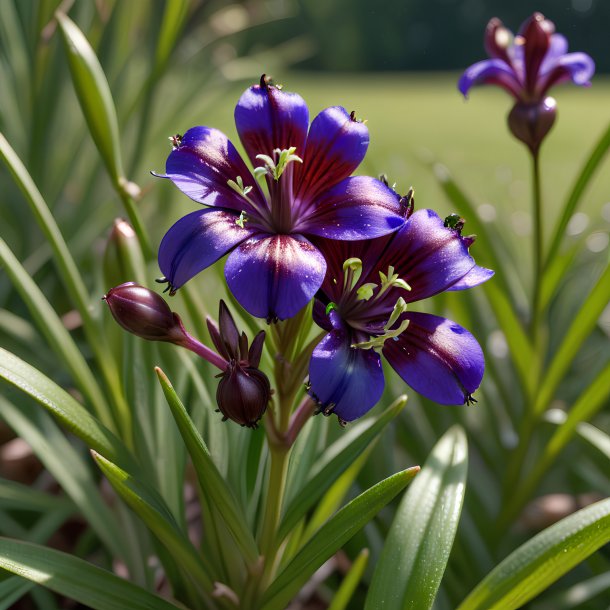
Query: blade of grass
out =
(75, 578)
(542, 560)
(416, 552)
(349, 584)
(211, 481)
(332, 536)
(334, 462)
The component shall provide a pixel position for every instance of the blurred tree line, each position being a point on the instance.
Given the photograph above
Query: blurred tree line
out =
(386, 35)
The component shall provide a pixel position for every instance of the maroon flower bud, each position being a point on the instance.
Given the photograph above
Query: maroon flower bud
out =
(144, 313)
(243, 391)
(243, 394)
(530, 123)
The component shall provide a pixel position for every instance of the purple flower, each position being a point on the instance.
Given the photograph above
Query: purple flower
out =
(527, 66)
(273, 268)
(367, 288)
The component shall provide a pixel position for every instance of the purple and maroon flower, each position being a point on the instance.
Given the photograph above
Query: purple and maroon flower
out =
(363, 306)
(527, 66)
(273, 268)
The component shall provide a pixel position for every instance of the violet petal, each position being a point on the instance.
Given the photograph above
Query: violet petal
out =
(490, 71)
(437, 358)
(347, 377)
(196, 241)
(359, 207)
(274, 276)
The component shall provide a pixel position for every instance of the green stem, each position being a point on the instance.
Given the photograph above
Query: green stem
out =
(537, 246)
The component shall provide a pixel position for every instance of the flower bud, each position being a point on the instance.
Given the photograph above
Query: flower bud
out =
(243, 394)
(144, 313)
(531, 122)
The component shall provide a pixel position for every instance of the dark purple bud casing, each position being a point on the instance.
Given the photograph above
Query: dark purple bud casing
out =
(530, 123)
(243, 394)
(144, 313)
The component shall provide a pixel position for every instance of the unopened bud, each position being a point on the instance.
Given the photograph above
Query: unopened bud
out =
(144, 313)
(243, 394)
(531, 122)
(123, 256)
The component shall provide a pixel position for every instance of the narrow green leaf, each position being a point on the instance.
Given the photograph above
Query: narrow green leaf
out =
(582, 325)
(152, 510)
(93, 94)
(335, 460)
(15, 495)
(587, 172)
(593, 399)
(12, 590)
(345, 591)
(97, 104)
(75, 578)
(210, 479)
(416, 551)
(58, 337)
(332, 536)
(71, 278)
(554, 273)
(542, 560)
(173, 19)
(60, 404)
(577, 595)
(67, 466)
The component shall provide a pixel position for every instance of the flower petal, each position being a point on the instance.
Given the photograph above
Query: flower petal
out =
(268, 118)
(477, 275)
(274, 276)
(203, 164)
(196, 241)
(357, 208)
(336, 145)
(437, 358)
(427, 255)
(490, 72)
(577, 67)
(347, 377)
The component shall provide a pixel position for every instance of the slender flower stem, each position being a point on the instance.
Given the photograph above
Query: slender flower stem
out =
(299, 418)
(537, 243)
(205, 352)
(530, 418)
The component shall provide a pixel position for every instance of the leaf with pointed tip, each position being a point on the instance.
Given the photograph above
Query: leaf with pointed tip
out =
(75, 578)
(211, 481)
(152, 510)
(61, 405)
(542, 560)
(332, 536)
(416, 551)
(335, 461)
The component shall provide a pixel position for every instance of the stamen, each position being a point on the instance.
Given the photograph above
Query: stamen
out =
(399, 308)
(238, 186)
(176, 141)
(241, 221)
(352, 270)
(365, 292)
(274, 169)
(376, 343)
(390, 280)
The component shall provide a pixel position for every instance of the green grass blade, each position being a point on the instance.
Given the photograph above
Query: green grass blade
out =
(345, 591)
(417, 548)
(152, 510)
(12, 590)
(587, 172)
(70, 276)
(210, 479)
(332, 536)
(50, 325)
(67, 467)
(334, 462)
(594, 398)
(542, 560)
(60, 404)
(75, 578)
(577, 595)
(96, 101)
(93, 94)
(582, 325)
(14, 495)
